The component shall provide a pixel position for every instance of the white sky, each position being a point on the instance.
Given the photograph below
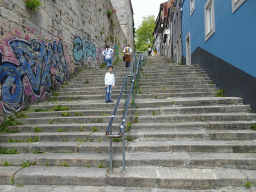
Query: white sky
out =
(145, 7)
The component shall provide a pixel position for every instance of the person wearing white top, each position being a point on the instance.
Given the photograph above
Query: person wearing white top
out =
(109, 83)
(108, 55)
(129, 49)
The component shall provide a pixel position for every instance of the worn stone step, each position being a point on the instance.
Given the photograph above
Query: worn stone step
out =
(156, 90)
(212, 125)
(216, 146)
(143, 103)
(66, 127)
(73, 188)
(220, 146)
(71, 119)
(135, 159)
(171, 178)
(198, 117)
(139, 96)
(147, 111)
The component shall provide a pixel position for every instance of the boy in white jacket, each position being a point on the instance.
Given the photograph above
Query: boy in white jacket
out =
(109, 83)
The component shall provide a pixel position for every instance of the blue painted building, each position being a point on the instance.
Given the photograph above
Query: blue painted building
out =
(220, 36)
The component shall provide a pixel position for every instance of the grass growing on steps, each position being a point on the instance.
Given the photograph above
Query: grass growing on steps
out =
(29, 140)
(10, 151)
(9, 121)
(220, 93)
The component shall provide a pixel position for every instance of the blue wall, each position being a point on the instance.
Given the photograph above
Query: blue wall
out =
(234, 40)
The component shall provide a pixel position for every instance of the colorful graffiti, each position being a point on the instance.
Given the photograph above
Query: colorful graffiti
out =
(116, 49)
(83, 49)
(38, 65)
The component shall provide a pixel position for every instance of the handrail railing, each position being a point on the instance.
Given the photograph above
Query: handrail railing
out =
(122, 132)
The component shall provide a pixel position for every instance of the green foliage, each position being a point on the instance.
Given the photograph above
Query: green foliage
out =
(55, 94)
(26, 164)
(21, 115)
(86, 82)
(143, 35)
(163, 88)
(39, 110)
(129, 124)
(248, 184)
(12, 181)
(110, 13)
(9, 121)
(95, 129)
(116, 61)
(154, 113)
(180, 63)
(88, 166)
(80, 70)
(65, 114)
(75, 74)
(64, 164)
(104, 114)
(29, 140)
(99, 121)
(220, 93)
(129, 138)
(60, 108)
(251, 111)
(81, 129)
(32, 4)
(54, 99)
(47, 164)
(50, 122)
(10, 151)
(66, 83)
(60, 130)
(37, 130)
(253, 126)
(101, 166)
(37, 152)
(6, 164)
(211, 82)
(116, 140)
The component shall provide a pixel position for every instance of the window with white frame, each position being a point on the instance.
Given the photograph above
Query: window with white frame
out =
(236, 4)
(209, 19)
(192, 6)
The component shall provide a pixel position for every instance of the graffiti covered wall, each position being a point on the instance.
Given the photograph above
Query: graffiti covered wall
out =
(42, 49)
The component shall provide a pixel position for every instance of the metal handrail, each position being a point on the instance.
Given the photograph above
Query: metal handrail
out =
(109, 130)
(122, 133)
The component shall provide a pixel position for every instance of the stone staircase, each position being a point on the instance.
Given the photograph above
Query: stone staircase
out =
(185, 138)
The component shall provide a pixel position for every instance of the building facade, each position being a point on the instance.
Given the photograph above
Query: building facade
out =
(220, 37)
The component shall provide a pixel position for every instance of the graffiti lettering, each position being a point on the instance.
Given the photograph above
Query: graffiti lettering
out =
(116, 49)
(41, 64)
(83, 49)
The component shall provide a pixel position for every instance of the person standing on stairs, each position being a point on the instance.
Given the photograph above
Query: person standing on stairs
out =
(109, 83)
(108, 54)
(128, 58)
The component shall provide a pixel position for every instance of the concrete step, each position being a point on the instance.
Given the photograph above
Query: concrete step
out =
(72, 119)
(200, 145)
(147, 111)
(146, 135)
(139, 96)
(211, 125)
(143, 103)
(155, 177)
(107, 188)
(135, 159)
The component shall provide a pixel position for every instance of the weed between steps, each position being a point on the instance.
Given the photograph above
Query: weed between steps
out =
(29, 140)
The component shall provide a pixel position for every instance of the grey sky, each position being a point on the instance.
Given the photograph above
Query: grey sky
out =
(145, 7)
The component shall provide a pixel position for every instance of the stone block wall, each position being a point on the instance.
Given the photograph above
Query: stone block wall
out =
(40, 50)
